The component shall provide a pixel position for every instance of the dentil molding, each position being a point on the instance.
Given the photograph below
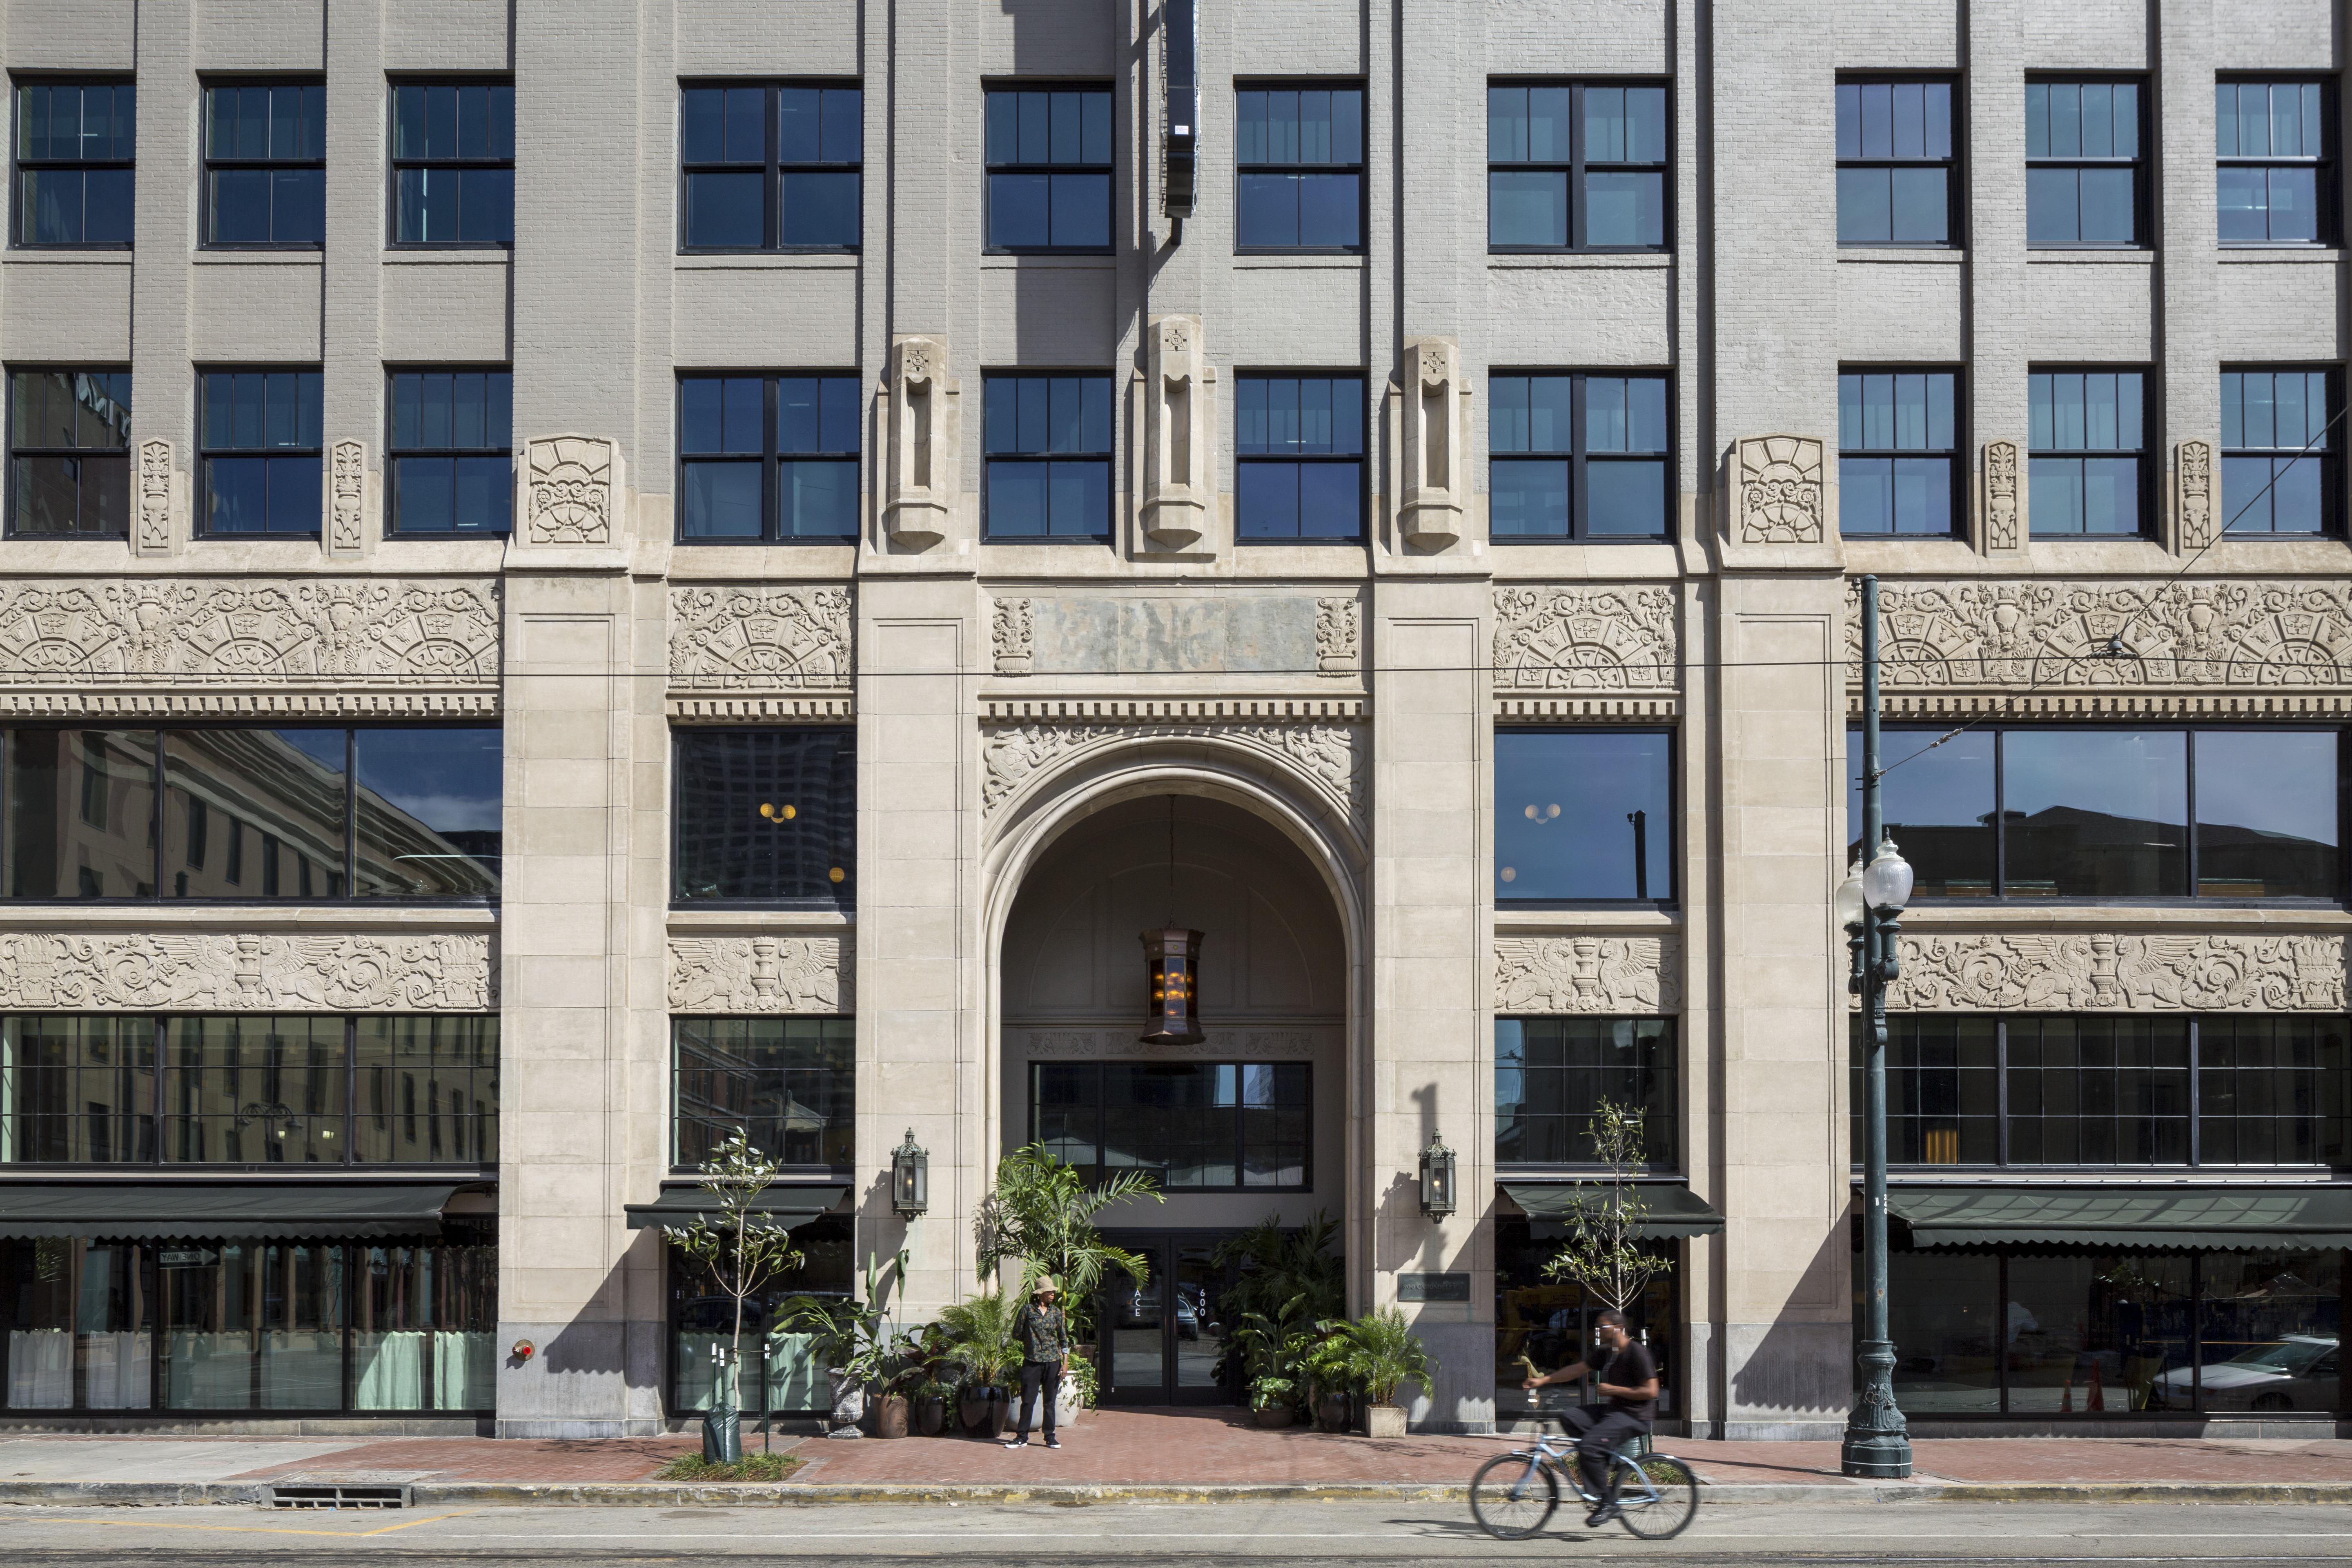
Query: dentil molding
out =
(760, 637)
(1583, 638)
(1627, 974)
(2102, 970)
(760, 975)
(248, 972)
(1328, 755)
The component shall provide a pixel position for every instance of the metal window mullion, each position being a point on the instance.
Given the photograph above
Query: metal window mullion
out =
(772, 486)
(155, 812)
(2195, 1105)
(2000, 1090)
(351, 815)
(1578, 458)
(1576, 219)
(1999, 815)
(772, 205)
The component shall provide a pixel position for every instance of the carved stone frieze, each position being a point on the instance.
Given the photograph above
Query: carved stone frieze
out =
(1779, 498)
(1585, 639)
(250, 632)
(2197, 634)
(2003, 525)
(1995, 971)
(1630, 974)
(1251, 1044)
(737, 974)
(1013, 636)
(1335, 637)
(1328, 755)
(761, 637)
(569, 490)
(347, 499)
(246, 972)
(2193, 473)
(155, 485)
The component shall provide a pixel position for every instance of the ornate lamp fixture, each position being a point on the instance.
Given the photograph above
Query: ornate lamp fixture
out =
(1171, 957)
(911, 1178)
(1437, 1179)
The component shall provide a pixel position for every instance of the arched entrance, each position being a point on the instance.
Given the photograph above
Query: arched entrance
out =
(1252, 1121)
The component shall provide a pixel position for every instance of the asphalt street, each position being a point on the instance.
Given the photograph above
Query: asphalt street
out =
(1143, 1535)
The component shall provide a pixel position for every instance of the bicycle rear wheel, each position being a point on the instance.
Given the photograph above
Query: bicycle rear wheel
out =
(1678, 1499)
(1513, 1495)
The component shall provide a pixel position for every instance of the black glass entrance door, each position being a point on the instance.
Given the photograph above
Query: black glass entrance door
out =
(1163, 1342)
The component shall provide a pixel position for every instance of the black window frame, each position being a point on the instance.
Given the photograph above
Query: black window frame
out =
(2327, 219)
(771, 458)
(394, 164)
(205, 454)
(160, 788)
(1579, 165)
(773, 168)
(1581, 458)
(2328, 455)
(2141, 163)
(393, 452)
(1954, 164)
(1361, 169)
(2151, 388)
(1360, 457)
(2190, 853)
(1107, 457)
(1240, 1144)
(844, 898)
(1668, 1067)
(989, 170)
(794, 1170)
(1672, 897)
(21, 165)
(1955, 454)
(208, 165)
(15, 488)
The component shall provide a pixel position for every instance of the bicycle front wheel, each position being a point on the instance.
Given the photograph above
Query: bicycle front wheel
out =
(1513, 1495)
(1669, 1513)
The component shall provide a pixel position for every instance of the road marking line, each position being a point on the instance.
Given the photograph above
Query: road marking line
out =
(263, 1529)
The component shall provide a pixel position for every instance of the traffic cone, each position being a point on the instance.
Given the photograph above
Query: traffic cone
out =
(2066, 1400)
(2098, 1400)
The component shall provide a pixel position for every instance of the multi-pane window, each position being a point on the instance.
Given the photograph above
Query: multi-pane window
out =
(453, 164)
(69, 451)
(1298, 457)
(1048, 440)
(2031, 1088)
(1572, 456)
(2280, 471)
(1897, 445)
(2038, 812)
(1191, 1126)
(1576, 166)
(259, 450)
(2086, 453)
(249, 1089)
(1583, 815)
(768, 457)
(1299, 168)
(266, 164)
(1049, 154)
(1552, 1075)
(789, 1084)
(2082, 163)
(74, 145)
(771, 166)
(2276, 175)
(252, 814)
(450, 457)
(1896, 171)
(765, 817)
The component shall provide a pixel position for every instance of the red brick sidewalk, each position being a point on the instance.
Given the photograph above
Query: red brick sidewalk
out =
(491, 1459)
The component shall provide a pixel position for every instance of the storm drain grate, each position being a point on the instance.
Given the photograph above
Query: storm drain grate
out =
(314, 1494)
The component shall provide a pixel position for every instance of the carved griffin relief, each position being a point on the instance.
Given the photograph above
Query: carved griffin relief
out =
(737, 974)
(443, 972)
(1588, 974)
(2035, 972)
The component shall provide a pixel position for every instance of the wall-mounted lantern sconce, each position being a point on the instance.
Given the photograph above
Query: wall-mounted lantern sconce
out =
(1437, 1179)
(911, 1178)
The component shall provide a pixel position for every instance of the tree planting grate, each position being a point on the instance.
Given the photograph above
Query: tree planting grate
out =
(330, 1494)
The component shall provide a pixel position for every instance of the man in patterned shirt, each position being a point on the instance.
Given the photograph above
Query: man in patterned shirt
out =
(1044, 1334)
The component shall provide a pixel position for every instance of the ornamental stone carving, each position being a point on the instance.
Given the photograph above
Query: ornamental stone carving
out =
(1012, 636)
(1327, 754)
(2003, 635)
(1779, 496)
(244, 973)
(325, 631)
(1335, 637)
(1588, 974)
(759, 637)
(155, 487)
(346, 498)
(1988, 972)
(737, 974)
(1585, 639)
(2004, 527)
(571, 490)
(2193, 473)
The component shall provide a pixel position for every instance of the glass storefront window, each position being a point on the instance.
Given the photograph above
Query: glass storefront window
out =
(1194, 1126)
(2098, 1091)
(1542, 1325)
(791, 1083)
(245, 1090)
(76, 1089)
(424, 1328)
(778, 1362)
(2269, 1329)
(78, 1321)
(1943, 1311)
(427, 1091)
(1551, 1075)
(2093, 1332)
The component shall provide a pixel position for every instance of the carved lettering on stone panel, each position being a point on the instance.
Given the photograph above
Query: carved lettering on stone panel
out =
(1335, 637)
(1780, 494)
(346, 498)
(2193, 469)
(570, 497)
(2105, 971)
(447, 972)
(154, 496)
(759, 638)
(1328, 755)
(1623, 974)
(2266, 635)
(1012, 636)
(1585, 639)
(737, 974)
(2001, 525)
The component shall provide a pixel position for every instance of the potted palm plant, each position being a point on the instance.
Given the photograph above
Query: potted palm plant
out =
(1289, 1287)
(979, 1335)
(1382, 1352)
(1326, 1366)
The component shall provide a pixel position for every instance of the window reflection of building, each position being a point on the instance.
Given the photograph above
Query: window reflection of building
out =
(790, 1083)
(1192, 1125)
(1542, 1325)
(765, 815)
(1552, 1076)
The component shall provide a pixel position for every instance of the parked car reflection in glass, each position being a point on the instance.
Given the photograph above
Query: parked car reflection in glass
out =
(2294, 1371)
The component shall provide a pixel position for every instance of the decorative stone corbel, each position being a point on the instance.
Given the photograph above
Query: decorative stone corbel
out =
(1781, 497)
(347, 488)
(1429, 512)
(159, 486)
(2004, 499)
(1178, 427)
(2192, 471)
(920, 499)
(571, 491)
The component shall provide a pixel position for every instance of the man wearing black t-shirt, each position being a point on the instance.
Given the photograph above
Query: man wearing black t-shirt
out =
(1628, 1384)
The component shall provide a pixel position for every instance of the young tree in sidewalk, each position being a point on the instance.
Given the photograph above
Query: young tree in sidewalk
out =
(1604, 1252)
(741, 1250)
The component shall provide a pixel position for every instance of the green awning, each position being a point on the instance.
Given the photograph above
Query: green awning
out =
(1670, 1209)
(2153, 1214)
(225, 1211)
(781, 1208)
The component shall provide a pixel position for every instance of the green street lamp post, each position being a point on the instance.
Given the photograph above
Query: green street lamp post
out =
(1870, 906)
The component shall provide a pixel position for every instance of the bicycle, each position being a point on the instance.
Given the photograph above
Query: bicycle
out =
(1657, 1494)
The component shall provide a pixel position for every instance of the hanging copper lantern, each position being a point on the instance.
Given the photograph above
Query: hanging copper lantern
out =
(1173, 957)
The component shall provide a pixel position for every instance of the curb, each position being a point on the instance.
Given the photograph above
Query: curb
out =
(812, 1494)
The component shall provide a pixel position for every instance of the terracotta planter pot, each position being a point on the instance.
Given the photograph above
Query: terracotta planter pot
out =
(1331, 1411)
(891, 1415)
(1275, 1416)
(931, 1415)
(1383, 1420)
